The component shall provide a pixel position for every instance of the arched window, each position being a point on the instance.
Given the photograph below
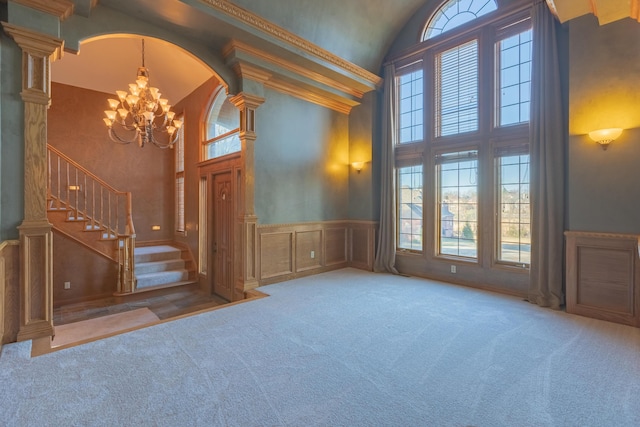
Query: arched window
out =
(454, 13)
(222, 128)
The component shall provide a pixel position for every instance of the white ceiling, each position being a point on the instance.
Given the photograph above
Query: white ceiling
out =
(110, 63)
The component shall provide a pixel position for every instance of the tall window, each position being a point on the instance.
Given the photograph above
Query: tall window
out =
(222, 128)
(410, 93)
(515, 79)
(514, 222)
(179, 191)
(458, 204)
(410, 207)
(462, 157)
(457, 89)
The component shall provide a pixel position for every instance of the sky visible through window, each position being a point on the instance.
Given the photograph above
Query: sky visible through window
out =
(455, 13)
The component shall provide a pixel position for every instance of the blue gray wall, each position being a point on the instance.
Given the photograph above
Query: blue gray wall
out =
(301, 161)
(603, 189)
(11, 139)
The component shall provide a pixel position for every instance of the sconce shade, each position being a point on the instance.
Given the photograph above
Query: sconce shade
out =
(605, 136)
(358, 166)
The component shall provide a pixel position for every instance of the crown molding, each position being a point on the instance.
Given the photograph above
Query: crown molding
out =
(310, 96)
(287, 37)
(248, 71)
(60, 8)
(237, 46)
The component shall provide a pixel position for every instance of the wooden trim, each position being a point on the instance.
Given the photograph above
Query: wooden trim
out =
(291, 39)
(62, 9)
(287, 251)
(603, 278)
(235, 45)
(9, 243)
(311, 96)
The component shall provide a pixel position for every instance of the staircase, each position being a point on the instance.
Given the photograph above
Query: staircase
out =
(90, 211)
(160, 267)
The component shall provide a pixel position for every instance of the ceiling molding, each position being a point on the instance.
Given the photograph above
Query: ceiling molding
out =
(275, 62)
(310, 96)
(291, 39)
(60, 8)
(606, 11)
(247, 71)
(281, 75)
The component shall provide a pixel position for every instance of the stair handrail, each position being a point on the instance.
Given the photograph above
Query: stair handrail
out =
(129, 227)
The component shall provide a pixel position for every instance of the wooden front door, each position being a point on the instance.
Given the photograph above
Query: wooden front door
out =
(222, 241)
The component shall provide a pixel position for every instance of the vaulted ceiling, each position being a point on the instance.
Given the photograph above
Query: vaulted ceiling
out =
(325, 37)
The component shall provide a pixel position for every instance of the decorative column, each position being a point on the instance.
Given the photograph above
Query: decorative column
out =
(246, 236)
(36, 236)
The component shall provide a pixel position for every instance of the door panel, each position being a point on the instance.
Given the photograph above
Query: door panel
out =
(222, 236)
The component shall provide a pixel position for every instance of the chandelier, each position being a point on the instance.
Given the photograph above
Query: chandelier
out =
(143, 112)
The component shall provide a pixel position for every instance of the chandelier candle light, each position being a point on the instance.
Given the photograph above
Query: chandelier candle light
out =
(143, 112)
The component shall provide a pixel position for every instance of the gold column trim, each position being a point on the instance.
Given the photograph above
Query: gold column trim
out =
(59, 8)
(290, 38)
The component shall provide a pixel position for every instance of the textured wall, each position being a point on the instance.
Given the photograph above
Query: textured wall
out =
(75, 127)
(91, 275)
(364, 138)
(604, 67)
(11, 139)
(301, 162)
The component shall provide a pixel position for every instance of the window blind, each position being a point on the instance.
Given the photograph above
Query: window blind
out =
(457, 90)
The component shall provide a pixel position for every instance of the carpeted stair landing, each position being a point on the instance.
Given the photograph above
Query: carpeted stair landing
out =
(159, 267)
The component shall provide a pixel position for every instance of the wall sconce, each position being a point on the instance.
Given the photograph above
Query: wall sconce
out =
(358, 166)
(605, 136)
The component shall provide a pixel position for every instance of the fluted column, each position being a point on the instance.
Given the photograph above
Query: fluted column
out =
(36, 236)
(247, 220)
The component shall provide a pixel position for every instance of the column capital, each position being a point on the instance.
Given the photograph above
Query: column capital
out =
(38, 50)
(247, 100)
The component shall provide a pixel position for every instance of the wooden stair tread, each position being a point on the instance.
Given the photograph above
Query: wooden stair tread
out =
(164, 286)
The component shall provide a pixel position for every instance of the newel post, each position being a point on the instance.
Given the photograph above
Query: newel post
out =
(36, 236)
(246, 233)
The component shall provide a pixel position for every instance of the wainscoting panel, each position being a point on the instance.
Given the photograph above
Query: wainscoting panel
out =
(602, 276)
(336, 245)
(10, 289)
(287, 251)
(308, 250)
(276, 253)
(362, 245)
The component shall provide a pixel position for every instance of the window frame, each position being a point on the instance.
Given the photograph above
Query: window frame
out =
(207, 141)
(179, 169)
(489, 29)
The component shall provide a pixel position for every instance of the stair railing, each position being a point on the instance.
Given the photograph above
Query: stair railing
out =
(86, 197)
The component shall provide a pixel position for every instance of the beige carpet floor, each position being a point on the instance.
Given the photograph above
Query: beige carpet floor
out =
(101, 326)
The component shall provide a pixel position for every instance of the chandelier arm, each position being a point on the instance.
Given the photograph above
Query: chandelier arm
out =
(171, 140)
(116, 138)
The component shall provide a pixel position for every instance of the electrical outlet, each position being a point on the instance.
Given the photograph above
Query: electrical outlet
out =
(454, 269)
(67, 285)
(313, 254)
